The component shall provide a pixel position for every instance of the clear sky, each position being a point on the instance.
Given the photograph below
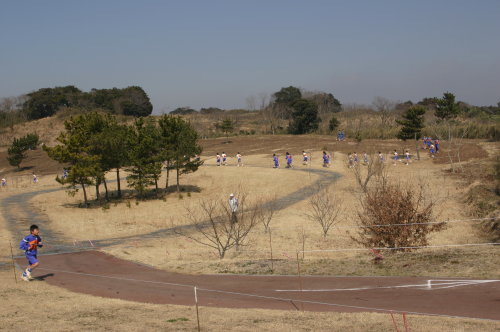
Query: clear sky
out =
(218, 53)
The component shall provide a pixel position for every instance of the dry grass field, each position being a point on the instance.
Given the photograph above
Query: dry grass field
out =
(291, 231)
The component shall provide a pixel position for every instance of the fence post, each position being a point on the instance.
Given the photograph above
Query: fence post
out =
(271, 247)
(13, 264)
(300, 280)
(196, 304)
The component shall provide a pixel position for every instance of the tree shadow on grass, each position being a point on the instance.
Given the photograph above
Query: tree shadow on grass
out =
(130, 196)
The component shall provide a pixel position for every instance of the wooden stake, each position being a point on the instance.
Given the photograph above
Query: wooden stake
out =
(300, 280)
(271, 247)
(13, 264)
(196, 304)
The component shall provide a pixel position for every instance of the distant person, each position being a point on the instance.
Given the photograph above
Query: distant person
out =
(224, 159)
(233, 206)
(305, 158)
(432, 150)
(288, 157)
(217, 159)
(275, 161)
(350, 160)
(4, 182)
(436, 144)
(326, 159)
(30, 246)
(381, 157)
(65, 173)
(394, 157)
(407, 154)
(355, 158)
(365, 158)
(35, 179)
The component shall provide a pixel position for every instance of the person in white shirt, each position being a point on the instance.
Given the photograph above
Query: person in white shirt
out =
(233, 206)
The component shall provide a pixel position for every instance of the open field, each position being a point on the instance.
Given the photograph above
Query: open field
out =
(128, 221)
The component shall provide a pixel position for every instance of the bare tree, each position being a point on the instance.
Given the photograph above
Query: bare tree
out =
(364, 173)
(268, 210)
(264, 100)
(251, 102)
(324, 208)
(213, 220)
(384, 108)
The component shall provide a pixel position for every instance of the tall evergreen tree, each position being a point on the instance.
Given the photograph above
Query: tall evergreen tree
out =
(304, 117)
(144, 156)
(412, 123)
(446, 107)
(179, 139)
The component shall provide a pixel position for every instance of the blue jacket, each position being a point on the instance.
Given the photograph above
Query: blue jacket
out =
(30, 244)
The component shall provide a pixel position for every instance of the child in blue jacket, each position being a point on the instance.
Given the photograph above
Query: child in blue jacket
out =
(30, 245)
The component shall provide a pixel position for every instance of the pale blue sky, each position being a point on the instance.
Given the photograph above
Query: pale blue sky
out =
(217, 53)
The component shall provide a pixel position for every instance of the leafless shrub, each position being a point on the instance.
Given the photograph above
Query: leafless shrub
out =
(363, 173)
(267, 211)
(214, 221)
(394, 216)
(324, 208)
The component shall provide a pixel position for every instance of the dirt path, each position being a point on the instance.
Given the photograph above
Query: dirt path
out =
(96, 273)
(20, 214)
(99, 274)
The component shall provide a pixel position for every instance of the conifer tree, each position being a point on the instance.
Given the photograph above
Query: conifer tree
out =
(412, 123)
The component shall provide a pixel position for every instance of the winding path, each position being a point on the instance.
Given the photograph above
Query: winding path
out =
(96, 273)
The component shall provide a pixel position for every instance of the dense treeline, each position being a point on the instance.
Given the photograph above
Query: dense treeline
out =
(46, 102)
(94, 144)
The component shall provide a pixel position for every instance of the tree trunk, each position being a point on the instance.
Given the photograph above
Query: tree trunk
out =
(118, 182)
(106, 188)
(168, 173)
(85, 195)
(178, 175)
(97, 184)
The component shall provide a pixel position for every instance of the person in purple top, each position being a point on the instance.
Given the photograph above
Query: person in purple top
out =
(326, 159)
(30, 246)
(436, 144)
(275, 160)
(288, 160)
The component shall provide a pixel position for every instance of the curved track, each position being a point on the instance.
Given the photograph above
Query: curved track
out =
(96, 273)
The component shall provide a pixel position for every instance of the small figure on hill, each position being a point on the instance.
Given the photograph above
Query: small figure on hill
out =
(224, 159)
(432, 150)
(288, 160)
(275, 161)
(4, 182)
(436, 144)
(365, 158)
(381, 157)
(196, 157)
(305, 159)
(326, 159)
(217, 159)
(355, 158)
(65, 173)
(35, 179)
(424, 140)
(407, 154)
(350, 160)
(30, 246)
(429, 142)
(233, 206)
(238, 160)
(395, 157)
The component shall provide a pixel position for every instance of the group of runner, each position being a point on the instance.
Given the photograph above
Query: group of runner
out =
(3, 181)
(221, 159)
(432, 145)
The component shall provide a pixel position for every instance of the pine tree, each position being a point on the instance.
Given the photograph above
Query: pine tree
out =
(412, 123)
(446, 107)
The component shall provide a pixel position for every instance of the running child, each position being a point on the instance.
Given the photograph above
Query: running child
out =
(224, 159)
(275, 160)
(35, 179)
(432, 150)
(407, 154)
(4, 182)
(30, 245)
(350, 160)
(436, 144)
(395, 157)
(365, 158)
(381, 157)
(217, 159)
(305, 159)
(288, 160)
(355, 158)
(238, 160)
(65, 173)
(326, 159)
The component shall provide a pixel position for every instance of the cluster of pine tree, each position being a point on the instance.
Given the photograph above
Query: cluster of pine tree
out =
(95, 143)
